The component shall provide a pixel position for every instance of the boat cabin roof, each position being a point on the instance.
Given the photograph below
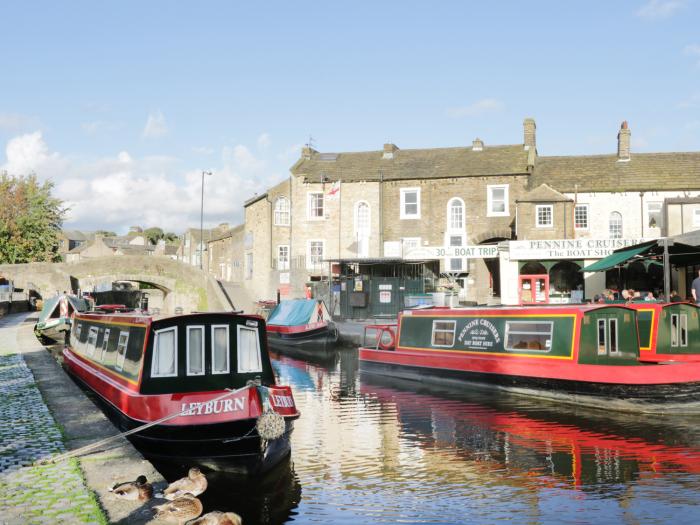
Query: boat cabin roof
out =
(513, 310)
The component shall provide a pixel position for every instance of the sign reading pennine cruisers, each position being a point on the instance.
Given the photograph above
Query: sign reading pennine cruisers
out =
(568, 248)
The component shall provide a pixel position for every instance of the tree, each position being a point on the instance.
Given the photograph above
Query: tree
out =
(30, 220)
(153, 234)
(105, 233)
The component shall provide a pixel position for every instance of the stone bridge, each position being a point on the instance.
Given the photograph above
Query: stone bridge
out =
(178, 284)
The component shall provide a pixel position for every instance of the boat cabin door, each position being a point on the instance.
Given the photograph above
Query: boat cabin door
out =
(533, 289)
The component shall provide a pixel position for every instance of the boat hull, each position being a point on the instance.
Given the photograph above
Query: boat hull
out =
(315, 343)
(53, 331)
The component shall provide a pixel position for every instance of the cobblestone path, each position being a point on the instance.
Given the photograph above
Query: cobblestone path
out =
(28, 432)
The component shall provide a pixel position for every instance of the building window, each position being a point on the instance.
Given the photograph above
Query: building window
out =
(195, 350)
(444, 333)
(315, 205)
(615, 225)
(654, 213)
(362, 228)
(696, 217)
(282, 211)
(248, 350)
(283, 257)
(497, 200)
(543, 216)
(314, 254)
(456, 264)
(219, 349)
(408, 244)
(164, 353)
(249, 265)
(410, 203)
(529, 335)
(581, 217)
(455, 214)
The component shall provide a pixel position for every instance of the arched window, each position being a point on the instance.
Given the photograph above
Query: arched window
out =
(455, 214)
(615, 225)
(282, 211)
(363, 227)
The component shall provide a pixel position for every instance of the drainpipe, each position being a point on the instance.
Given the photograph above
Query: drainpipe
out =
(641, 214)
(667, 268)
(381, 213)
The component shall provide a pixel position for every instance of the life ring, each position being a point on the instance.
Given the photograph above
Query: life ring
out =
(392, 341)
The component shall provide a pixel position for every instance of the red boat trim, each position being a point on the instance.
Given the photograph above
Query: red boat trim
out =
(295, 329)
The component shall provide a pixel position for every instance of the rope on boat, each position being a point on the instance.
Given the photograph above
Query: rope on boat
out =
(97, 444)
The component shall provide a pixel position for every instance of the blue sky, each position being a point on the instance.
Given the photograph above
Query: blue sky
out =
(123, 104)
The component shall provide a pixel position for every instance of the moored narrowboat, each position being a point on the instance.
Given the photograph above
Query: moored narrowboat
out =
(301, 328)
(55, 317)
(582, 354)
(668, 331)
(210, 371)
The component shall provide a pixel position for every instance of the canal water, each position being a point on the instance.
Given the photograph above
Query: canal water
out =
(375, 451)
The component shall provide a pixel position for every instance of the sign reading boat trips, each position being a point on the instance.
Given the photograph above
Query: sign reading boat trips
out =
(479, 334)
(568, 248)
(468, 252)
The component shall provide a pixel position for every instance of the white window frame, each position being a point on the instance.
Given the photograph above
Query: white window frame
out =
(282, 211)
(604, 324)
(281, 266)
(310, 206)
(248, 265)
(122, 357)
(155, 349)
(542, 207)
(202, 350)
(228, 349)
(402, 210)
(240, 328)
(90, 347)
(105, 344)
(508, 333)
(683, 331)
(490, 201)
(453, 331)
(610, 224)
(449, 226)
(613, 321)
(309, 262)
(696, 217)
(588, 216)
(675, 331)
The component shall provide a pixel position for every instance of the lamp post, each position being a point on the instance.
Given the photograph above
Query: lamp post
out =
(201, 223)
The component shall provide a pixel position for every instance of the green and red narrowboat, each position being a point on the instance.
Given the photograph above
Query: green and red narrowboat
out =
(668, 331)
(145, 368)
(580, 354)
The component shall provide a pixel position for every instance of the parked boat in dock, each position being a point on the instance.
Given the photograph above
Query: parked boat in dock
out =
(578, 354)
(55, 317)
(302, 328)
(668, 331)
(209, 370)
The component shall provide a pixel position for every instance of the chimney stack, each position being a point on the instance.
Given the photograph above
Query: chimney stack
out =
(307, 152)
(389, 150)
(477, 144)
(623, 142)
(529, 134)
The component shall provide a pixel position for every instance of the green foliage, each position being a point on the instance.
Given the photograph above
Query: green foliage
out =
(155, 234)
(30, 220)
(105, 233)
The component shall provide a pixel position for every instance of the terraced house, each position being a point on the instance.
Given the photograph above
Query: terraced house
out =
(474, 219)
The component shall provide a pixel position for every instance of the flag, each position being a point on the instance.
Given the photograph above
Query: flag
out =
(334, 191)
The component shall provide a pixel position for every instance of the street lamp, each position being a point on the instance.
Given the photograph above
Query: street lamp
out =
(201, 222)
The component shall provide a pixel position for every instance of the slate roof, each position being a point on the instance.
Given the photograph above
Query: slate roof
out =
(604, 173)
(543, 193)
(75, 235)
(432, 163)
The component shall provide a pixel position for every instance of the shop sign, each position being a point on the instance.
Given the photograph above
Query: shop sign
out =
(384, 297)
(487, 251)
(568, 248)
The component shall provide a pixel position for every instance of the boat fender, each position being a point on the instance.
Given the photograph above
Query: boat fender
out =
(270, 425)
(392, 341)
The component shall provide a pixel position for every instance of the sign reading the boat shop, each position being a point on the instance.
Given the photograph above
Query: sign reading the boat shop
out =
(568, 248)
(479, 334)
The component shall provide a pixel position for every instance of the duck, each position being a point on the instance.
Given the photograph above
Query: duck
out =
(195, 483)
(218, 518)
(139, 489)
(180, 510)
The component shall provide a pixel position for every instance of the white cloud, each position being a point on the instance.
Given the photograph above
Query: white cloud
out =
(478, 108)
(264, 141)
(29, 153)
(655, 9)
(155, 126)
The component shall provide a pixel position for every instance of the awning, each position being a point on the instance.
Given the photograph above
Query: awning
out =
(619, 257)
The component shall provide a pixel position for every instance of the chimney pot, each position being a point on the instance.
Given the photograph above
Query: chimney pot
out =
(623, 142)
(477, 144)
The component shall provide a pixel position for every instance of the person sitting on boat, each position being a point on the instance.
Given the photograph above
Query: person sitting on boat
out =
(675, 298)
(650, 297)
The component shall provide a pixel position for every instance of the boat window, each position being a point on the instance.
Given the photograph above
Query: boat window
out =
(248, 350)
(529, 335)
(684, 329)
(195, 350)
(121, 348)
(91, 341)
(105, 344)
(674, 329)
(165, 353)
(219, 349)
(602, 339)
(444, 333)
(613, 336)
(78, 329)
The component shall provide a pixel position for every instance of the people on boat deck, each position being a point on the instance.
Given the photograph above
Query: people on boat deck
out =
(650, 297)
(695, 289)
(675, 298)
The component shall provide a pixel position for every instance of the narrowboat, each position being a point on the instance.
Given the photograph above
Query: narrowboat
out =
(668, 331)
(55, 317)
(579, 354)
(210, 371)
(302, 328)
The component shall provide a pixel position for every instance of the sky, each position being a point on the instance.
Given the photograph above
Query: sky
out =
(122, 105)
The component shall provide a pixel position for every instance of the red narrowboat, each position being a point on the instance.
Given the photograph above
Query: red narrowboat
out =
(211, 371)
(578, 354)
